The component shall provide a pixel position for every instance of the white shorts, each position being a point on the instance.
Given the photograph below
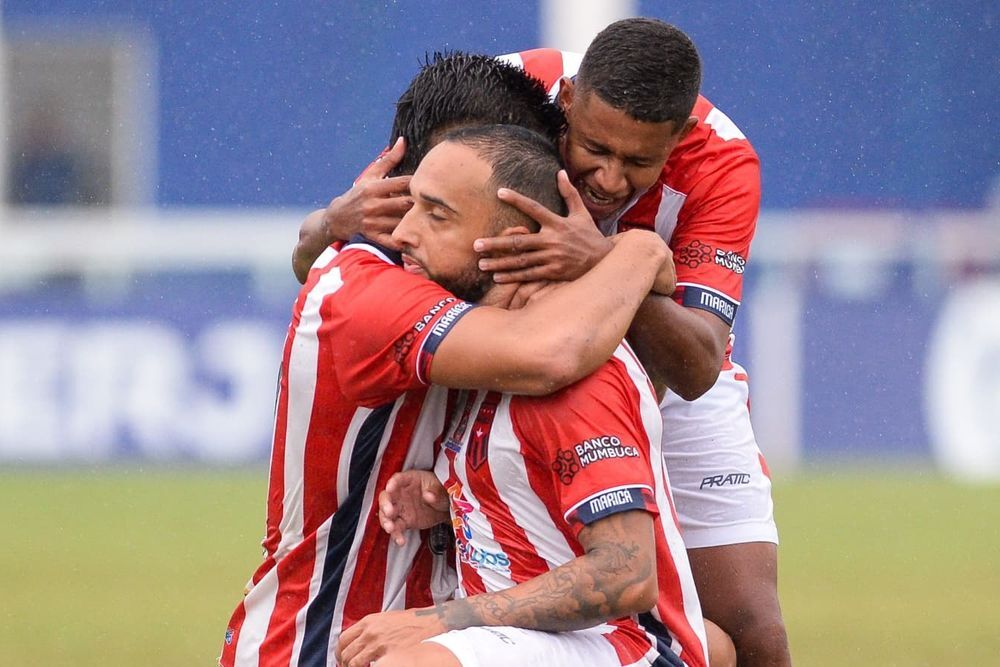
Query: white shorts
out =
(504, 646)
(718, 477)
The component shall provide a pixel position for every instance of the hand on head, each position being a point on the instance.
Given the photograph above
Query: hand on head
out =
(564, 248)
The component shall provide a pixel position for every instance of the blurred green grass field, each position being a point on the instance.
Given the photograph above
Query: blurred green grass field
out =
(127, 567)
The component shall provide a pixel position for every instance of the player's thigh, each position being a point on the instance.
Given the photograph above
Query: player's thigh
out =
(506, 646)
(738, 585)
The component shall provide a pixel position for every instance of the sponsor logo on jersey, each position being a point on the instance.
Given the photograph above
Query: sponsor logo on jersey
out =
(431, 313)
(565, 465)
(499, 635)
(401, 348)
(713, 302)
(569, 462)
(229, 636)
(460, 511)
(469, 553)
(694, 254)
(730, 259)
(497, 561)
(450, 318)
(609, 502)
(717, 303)
(610, 499)
(728, 479)
(437, 333)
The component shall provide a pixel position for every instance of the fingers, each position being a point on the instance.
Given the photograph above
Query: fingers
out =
(363, 658)
(387, 187)
(390, 514)
(386, 508)
(514, 243)
(396, 153)
(509, 263)
(530, 207)
(570, 194)
(394, 483)
(436, 500)
(530, 275)
(386, 162)
(394, 205)
(345, 647)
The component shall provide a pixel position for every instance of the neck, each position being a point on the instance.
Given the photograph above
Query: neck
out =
(500, 295)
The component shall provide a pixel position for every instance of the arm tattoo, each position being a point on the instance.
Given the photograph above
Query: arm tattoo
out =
(600, 585)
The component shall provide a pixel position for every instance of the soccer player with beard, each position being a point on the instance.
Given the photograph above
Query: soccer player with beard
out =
(646, 151)
(336, 441)
(567, 547)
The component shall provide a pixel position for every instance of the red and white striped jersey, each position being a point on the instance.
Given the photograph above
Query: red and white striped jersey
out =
(705, 204)
(343, 426)
(526, 474)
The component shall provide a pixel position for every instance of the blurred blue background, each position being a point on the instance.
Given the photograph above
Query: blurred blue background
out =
(849, 103)
(131, 332)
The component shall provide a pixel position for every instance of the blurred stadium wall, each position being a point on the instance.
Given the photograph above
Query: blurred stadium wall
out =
(144, 292)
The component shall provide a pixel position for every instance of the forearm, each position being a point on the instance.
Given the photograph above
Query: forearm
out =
(592, 589)
(679, 347)
(559, 338)
(593, 314)
(311, 244)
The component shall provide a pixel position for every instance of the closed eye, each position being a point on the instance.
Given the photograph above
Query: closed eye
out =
(596, 150)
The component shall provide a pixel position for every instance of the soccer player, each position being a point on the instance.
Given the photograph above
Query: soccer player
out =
(327, 563)
(560, 505)
(647, 151)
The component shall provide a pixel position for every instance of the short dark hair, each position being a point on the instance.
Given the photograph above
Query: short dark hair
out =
(464, 89)
(647, 68)
(522, 160)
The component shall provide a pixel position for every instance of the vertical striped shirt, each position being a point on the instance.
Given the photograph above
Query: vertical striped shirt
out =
(351, 400)
(524, 475)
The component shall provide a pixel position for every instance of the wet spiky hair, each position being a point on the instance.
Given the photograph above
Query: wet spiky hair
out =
(456, 89)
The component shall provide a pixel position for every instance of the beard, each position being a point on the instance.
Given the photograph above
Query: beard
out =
(471, 284)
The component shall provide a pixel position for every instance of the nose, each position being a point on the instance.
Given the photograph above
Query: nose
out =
(405, 232)
(610, 178)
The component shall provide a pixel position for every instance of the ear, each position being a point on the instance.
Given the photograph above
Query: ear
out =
(518, 230)
(565, 96)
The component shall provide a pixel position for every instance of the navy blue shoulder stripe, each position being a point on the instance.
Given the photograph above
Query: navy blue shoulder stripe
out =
(361, 239)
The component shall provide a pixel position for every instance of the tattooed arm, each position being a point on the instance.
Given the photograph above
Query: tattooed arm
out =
(615, 577)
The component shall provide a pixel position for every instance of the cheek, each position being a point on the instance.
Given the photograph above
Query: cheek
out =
(579, 161)
(643, 179)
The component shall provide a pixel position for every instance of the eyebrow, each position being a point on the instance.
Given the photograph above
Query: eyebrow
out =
(593, 143)
(437, 201)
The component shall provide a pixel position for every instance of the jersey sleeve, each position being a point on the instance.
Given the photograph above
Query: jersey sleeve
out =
(383, 325)
(712, 242)
(546, 65)
(591, 441)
